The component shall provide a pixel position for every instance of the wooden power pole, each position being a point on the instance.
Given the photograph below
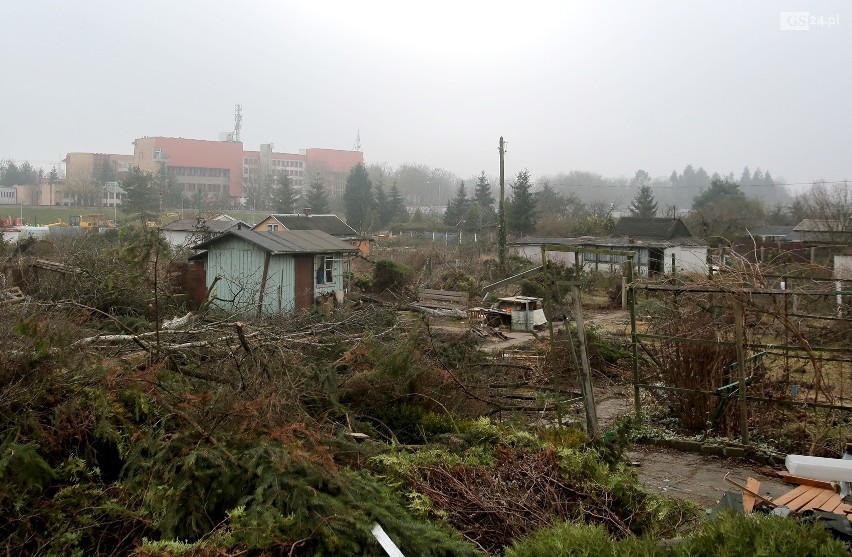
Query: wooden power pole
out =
(501, 226)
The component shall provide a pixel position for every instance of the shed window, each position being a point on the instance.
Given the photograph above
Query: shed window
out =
(325, 270)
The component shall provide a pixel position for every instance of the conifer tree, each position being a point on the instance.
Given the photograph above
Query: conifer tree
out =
(383, 206)
(482, 195)
(457, 207)
(644, 205)
(358, 197)
(521, 210)
(399, 212)
(317, 197)
(284, 196)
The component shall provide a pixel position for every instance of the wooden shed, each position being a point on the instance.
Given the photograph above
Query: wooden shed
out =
(270, 273)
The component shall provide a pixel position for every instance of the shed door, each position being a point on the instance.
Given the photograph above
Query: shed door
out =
(304, 283)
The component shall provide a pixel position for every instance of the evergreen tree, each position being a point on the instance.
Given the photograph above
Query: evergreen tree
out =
(640, 179)
(8, 174)
(702, 179)
(745, 177)
(550, 202)
(457, 207)
(688, 177)
(358, 197)
(674, 179)
(141, 197)
(717, 191)
(284, 196)
(105, 173)
(53, 177)
(383, 206)
(317, 197)
(398, 211)
(756, 178)
(482, 195)
(644, 205)
(521, 214)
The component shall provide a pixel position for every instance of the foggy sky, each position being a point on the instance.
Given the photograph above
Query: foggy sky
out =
(608, 87)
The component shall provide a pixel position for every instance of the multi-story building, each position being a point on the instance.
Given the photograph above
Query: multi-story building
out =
(213, 168)
(224, 168)
(217, 169)
(332, 166)
(265, 162)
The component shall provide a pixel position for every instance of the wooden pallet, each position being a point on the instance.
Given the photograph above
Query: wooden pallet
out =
(806, 498)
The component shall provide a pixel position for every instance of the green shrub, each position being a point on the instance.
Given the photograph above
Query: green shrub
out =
(567, 539)
(732, 535)
(531, 288)
(391, 275)
(747, 535)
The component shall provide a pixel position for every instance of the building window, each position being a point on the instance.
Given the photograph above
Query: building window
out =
(271, 227)
(325, 270)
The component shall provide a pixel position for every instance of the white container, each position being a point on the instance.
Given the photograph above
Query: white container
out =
(819, 468)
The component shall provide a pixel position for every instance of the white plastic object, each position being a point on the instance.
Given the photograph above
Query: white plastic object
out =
(819, 468)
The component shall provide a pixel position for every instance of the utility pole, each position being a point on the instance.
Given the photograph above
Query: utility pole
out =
(501, 226)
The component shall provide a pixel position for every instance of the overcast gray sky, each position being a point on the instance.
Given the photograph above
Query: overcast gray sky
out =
(603, 86)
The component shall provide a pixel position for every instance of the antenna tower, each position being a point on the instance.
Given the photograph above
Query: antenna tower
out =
(357, 146)
(238, 121)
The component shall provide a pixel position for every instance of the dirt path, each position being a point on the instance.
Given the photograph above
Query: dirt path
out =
(698, 478)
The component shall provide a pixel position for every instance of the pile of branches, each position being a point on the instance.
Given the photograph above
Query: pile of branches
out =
(522, 491)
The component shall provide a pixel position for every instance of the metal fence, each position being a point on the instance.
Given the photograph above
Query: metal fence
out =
(745, 354)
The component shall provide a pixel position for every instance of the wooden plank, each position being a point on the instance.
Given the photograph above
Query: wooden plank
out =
(831, 504)
(804, 498)
(753, 486)
(824, 496)
(843, 508)
(799, 480)
(792, 494)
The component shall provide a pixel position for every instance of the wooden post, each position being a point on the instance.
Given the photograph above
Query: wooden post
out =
(548, 305)
(501, 225)
(740, 338)
(634, 339)
(674, 265)
(623, 292)
(586, 373)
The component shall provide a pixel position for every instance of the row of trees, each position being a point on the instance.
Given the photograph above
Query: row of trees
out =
(23, 175)
(367, 206)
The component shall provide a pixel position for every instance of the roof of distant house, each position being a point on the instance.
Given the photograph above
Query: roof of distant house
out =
(215, 224)
(821, 225)
(287, 241)
(774, 230)
(652, 228)
(330, 224)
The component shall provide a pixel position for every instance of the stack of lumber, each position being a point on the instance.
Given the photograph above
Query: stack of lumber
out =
(808, 495)
(810, 498)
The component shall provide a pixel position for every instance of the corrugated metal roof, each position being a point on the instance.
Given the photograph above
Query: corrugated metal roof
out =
(193, 225)
(327, 223)
(286, 241)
